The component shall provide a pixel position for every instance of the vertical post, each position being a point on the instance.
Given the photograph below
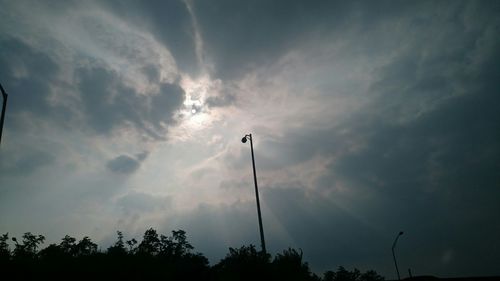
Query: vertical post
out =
(262, 241)
(394, 255)
(4, 107)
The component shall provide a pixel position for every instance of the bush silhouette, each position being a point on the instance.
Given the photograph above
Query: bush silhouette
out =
(343, 274)
(245, 263)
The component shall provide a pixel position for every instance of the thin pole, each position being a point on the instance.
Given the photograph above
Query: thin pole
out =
(4, 107)
(394, 255)
(262, 241)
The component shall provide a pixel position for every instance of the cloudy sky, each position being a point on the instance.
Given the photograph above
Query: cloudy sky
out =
(368, 118)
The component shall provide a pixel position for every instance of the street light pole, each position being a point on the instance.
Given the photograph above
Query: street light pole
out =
(262, 241)
(4, 107)
(394, 255)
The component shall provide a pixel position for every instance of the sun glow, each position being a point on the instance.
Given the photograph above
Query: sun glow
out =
(196, 117)
(195, 114)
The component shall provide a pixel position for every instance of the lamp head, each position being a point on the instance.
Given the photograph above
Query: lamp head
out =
(244, 139)
(401, 233)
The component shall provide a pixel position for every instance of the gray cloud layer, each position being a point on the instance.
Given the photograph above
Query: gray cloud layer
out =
(28, 72)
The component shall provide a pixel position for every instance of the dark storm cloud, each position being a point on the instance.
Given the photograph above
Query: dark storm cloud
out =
(306, 215)
(241, 36)
(214, 228)
(171, 24)
(110, 104)
(435, 105)
(96, 86)
(169, 21)
(224, 98)
(298, 147)
(436, 175)
(24, 161)
(422, 156)
(152, 73)
(430, 102)
(137, 202)
(28, 75)
(166, 102)
(125, 164)
(328, 235)
(220, 101)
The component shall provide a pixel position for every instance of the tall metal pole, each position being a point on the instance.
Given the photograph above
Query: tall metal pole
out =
(262, 241)
(394, 255)
(4, 107)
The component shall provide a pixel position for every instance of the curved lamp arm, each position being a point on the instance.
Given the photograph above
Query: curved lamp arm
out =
(4, 107)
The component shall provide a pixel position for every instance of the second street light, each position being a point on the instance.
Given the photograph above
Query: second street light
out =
(262, 241)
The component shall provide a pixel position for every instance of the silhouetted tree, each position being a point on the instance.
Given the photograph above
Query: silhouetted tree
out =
(119, 243)
(85, 247)
(329, 276)
(175, 245)
(52, 252)
(343, 274)
(150, 244)
(131, 245)
(371, 275)
(28, 249)
(181, 245)
(68, 245)
(289, 266)
(245, 263)
(118, 249)
(4, 248)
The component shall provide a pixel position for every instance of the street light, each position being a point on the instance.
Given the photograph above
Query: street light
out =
(4, 106)
(393, 255)
(262, 241)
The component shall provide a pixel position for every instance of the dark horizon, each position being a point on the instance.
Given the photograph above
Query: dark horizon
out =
(168, 256)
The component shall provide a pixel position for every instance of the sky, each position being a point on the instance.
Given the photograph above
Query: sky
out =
(368, 118)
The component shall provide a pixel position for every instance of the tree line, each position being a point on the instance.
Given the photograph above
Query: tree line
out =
(158, 257)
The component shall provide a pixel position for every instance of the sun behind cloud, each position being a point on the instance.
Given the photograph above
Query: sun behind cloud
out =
(194, 113)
